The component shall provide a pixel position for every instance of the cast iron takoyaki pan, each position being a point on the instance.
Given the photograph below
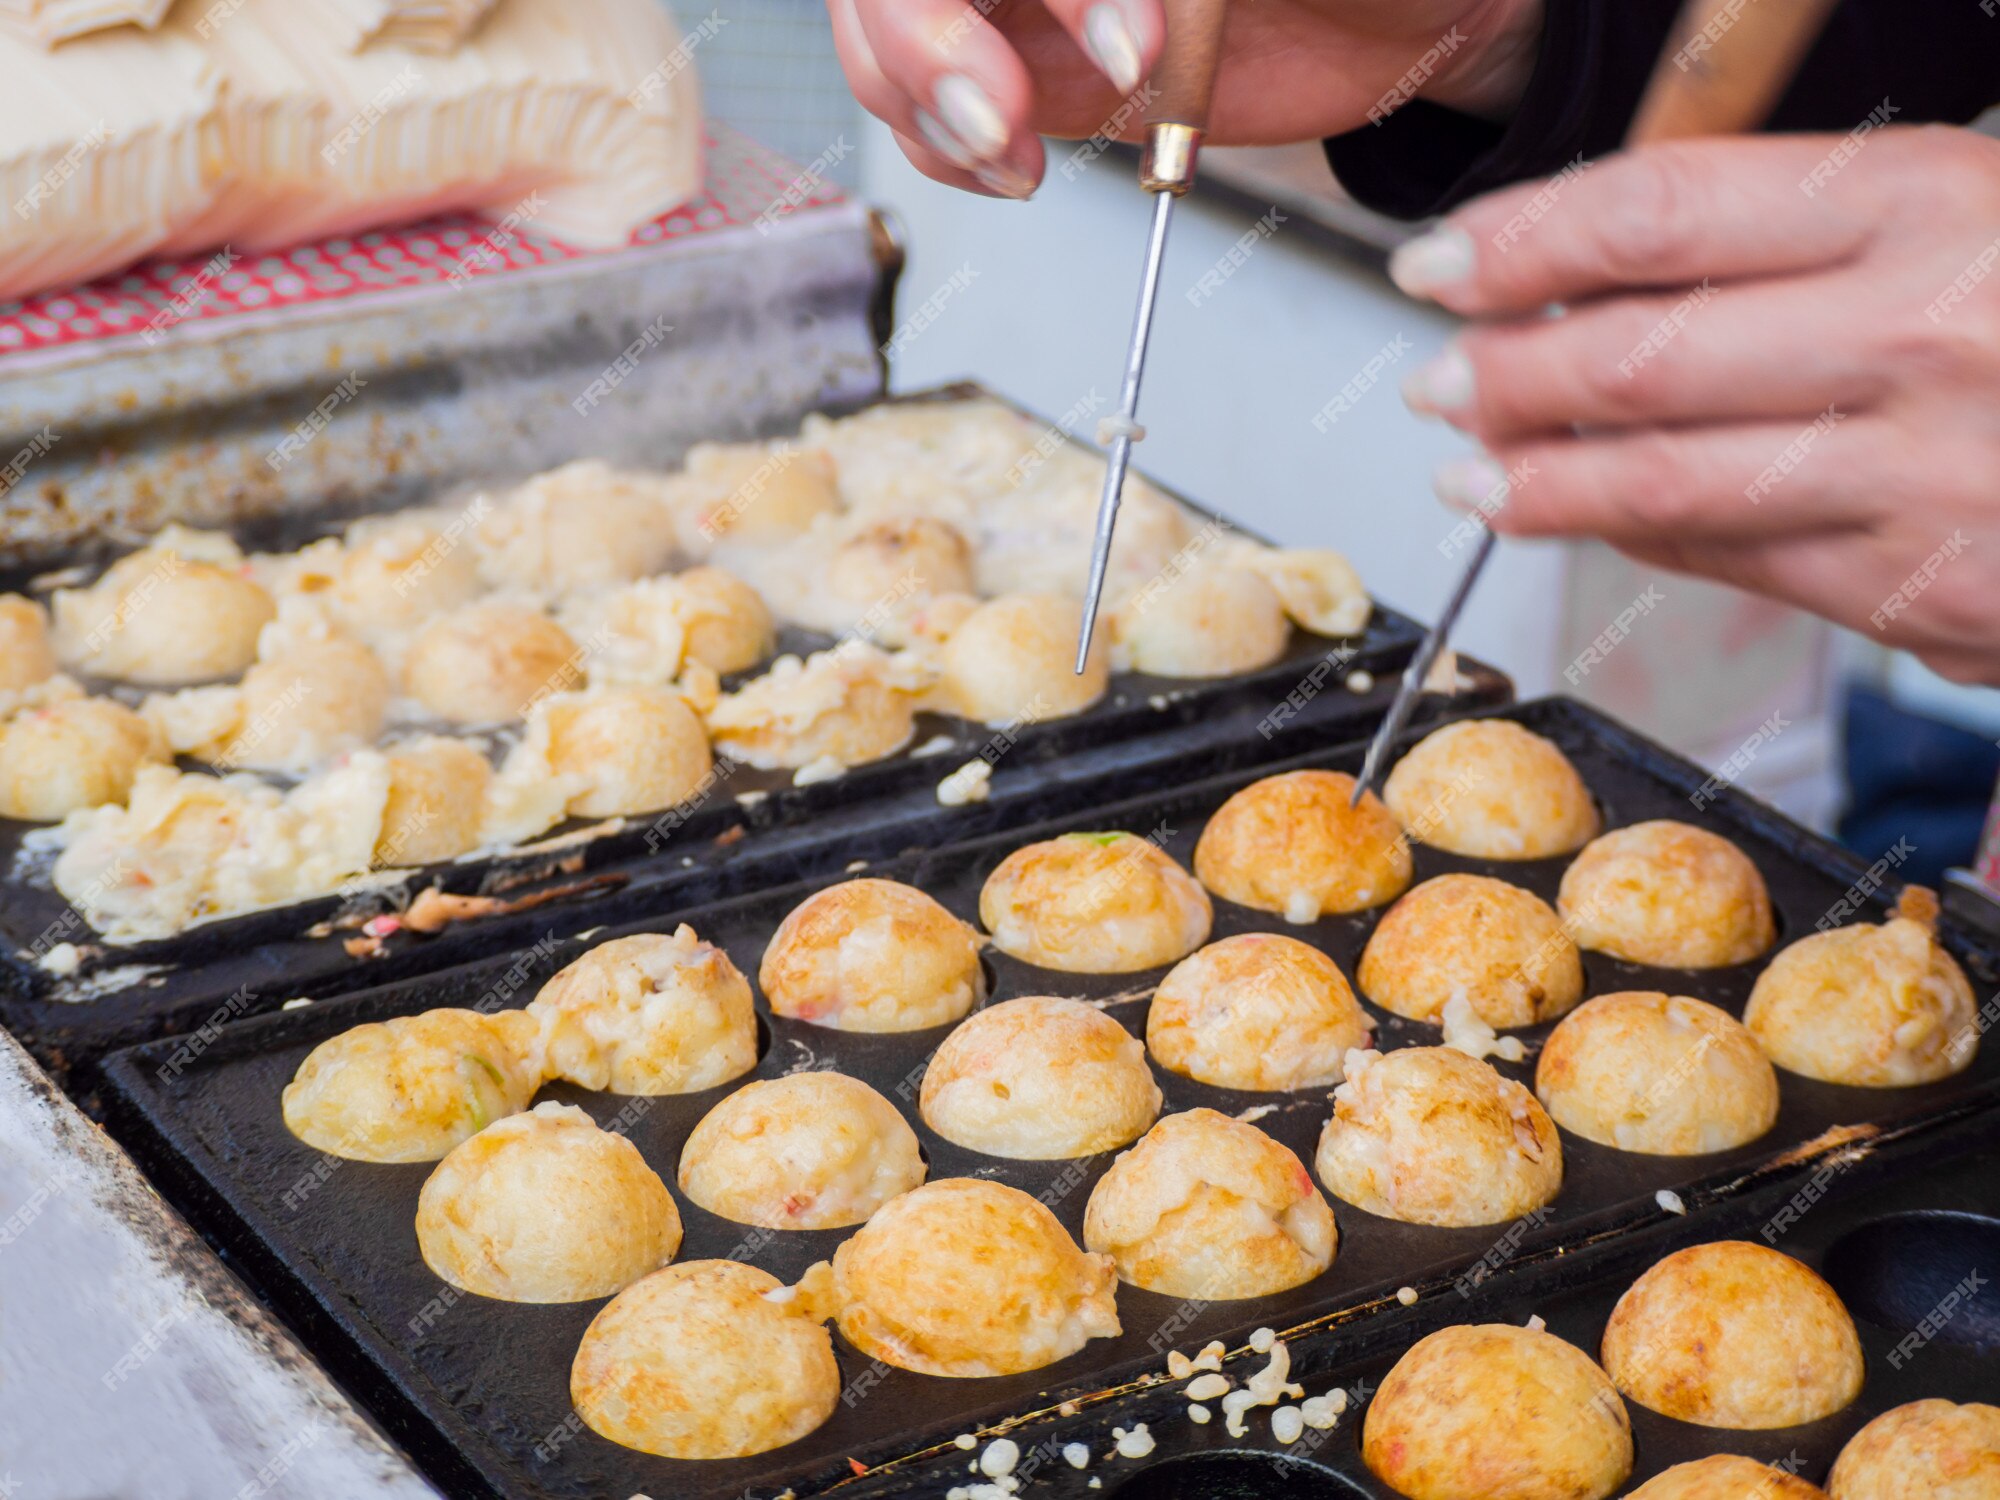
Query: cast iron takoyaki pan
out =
(478, 1389)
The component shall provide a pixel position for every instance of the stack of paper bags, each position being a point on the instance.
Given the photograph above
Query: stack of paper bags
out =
(429, 25)
(109, 147)
(258, 124)
(46, 22)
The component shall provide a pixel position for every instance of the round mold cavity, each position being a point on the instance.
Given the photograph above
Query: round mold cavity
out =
(1932, 1274)
(1237, 1474)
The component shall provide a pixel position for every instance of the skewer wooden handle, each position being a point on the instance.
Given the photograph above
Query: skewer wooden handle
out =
(1184, 77)
(1725, 65)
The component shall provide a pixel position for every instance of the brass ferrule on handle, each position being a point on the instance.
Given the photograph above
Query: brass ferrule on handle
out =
(1167, 163)
(1179, 92)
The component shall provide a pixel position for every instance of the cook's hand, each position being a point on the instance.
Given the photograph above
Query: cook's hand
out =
(967, 85)
(1783, 356)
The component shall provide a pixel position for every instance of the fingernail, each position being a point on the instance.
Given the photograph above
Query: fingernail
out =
(1432, 261)
(1004, 180)
(1469, 484)
(943, 141)
(1112, 46)
(970, 115)
(1443, 385)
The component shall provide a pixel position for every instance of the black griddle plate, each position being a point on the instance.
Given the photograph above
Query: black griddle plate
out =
(1898, 1232)
(1145, 728)
(478, 1390)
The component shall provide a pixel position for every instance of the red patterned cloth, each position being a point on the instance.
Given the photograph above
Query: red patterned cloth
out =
(745, 183)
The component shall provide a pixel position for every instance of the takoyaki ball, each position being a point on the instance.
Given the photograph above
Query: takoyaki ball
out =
(436, 802)
(490, 663)
(1013, 661)
(305, 704)
(897, 557)
(149, 868)
(1257, 1011)
(1291, 844)
(1725, 1476)
(162, 619)
(844, 707)
(1667, 894)
(1429, 1135)
(412, 1087)
(583, 525)
(1483, 1410)
(1317, 586)
(1501, 947)
(1662, 1074)
(900, 456)
(624, 750)
(1925, 1450)
(1732, 1334)
(1874, 1007)
(751, 492)
(811, 1150)
(967, 1277)
(1039, 1079)
(1094, 903)
(706, 1359)
(649, 632)
(648, 1014)
(396, 572)
(546, 1207)
(925, 621)
(72, 753)
(26, 656)
(1206, 1206)
(872, 955)
(1211, 621)
(1490, 789)
(728, 626)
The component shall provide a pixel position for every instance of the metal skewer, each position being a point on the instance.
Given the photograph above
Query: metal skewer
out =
(1714, 77)
(1412, 686)
(1182, 82)
(1128, 406)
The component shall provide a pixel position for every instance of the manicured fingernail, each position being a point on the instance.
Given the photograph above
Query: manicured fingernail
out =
(943, 141)
(1432, 261)
(1004, 180)
(1443, 385)
(1112, 46)
(1469, 484)
(972, 116)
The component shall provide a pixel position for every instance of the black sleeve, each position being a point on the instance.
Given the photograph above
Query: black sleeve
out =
(1933, 60)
